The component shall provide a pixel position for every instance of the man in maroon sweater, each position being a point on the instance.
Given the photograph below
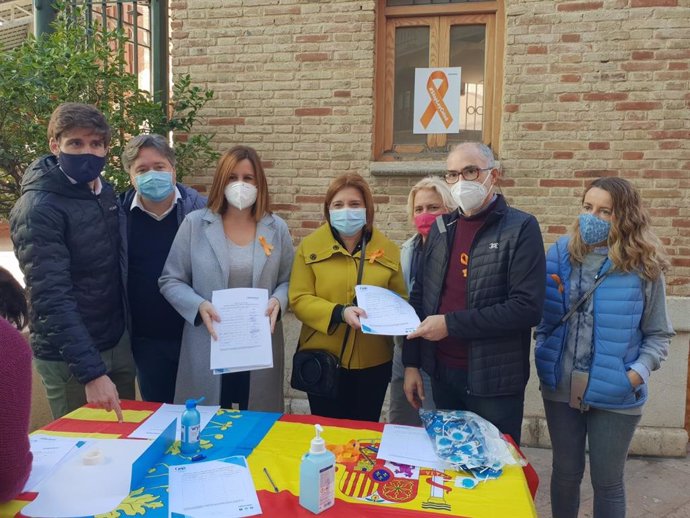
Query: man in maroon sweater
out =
(478, 290)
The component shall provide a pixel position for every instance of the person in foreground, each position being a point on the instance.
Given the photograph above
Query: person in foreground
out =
(595, 349)
(236, 242)
(15, 389)
(428, 199)
(155, 207)
(322, 296)
(478, 292)
(66, 233)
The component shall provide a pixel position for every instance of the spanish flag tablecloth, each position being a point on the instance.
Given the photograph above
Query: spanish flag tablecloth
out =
(365, 485)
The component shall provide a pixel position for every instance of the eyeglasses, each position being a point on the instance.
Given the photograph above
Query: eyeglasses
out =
(469, 173)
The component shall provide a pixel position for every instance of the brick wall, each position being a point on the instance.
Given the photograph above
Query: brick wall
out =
(600, 88)
(591, 88)
(294, 80)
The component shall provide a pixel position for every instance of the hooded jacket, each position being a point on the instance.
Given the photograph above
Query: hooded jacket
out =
(67, 241)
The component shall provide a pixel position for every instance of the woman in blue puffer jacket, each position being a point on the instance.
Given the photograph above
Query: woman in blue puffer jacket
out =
(605, 328)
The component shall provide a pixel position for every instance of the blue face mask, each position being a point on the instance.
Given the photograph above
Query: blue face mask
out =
(81, 168)
(348, 221)
(155, 185)
(593, 230)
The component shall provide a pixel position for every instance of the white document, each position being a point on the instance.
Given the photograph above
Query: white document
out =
(210, 489)
(160, 419)
(80, 488)
(408, 445)
(387, 312)
(244, 331)
(48, 451)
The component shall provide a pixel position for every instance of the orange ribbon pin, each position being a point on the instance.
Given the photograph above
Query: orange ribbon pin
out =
(436, 105)
(558, 282)
(265, 245)
(375, 255)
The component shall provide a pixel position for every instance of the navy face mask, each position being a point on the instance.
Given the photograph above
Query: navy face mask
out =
(81, 168)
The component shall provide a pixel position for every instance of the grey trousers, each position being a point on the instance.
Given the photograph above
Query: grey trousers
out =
(66, 394)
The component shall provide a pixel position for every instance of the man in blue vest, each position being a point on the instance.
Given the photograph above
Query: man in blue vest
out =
(478, 291)
(155, 207)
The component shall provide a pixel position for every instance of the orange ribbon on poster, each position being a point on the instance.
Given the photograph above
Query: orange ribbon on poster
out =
(436, 105)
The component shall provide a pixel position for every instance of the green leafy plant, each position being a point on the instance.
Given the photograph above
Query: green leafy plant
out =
(80, 64)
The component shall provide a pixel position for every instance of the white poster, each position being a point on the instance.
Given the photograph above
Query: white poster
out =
(437, 100)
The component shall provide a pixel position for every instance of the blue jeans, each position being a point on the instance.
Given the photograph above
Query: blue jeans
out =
(451, 393)
(609, 435)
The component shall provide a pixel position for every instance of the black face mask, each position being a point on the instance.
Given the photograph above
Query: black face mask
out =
(81, 168)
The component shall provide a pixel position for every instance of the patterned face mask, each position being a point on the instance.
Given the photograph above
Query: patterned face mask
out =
(593, 230)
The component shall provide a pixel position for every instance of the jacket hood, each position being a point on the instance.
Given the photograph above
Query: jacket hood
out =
(44, 174)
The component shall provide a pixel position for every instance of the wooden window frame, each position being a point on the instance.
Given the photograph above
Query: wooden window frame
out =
(439, 18)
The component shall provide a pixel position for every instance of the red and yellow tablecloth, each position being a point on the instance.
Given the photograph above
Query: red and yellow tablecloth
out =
(366, 486)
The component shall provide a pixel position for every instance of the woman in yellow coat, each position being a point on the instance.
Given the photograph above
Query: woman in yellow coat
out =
(322, 296)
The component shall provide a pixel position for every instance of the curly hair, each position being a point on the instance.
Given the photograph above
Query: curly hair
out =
(13, 306)
(632, 244)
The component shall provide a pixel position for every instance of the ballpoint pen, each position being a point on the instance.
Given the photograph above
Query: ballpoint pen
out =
(268, 476)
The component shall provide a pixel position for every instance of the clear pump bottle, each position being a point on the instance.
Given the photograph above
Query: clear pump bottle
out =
(317, 476)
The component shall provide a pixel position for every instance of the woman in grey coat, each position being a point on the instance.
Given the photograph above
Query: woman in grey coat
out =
(234, 243)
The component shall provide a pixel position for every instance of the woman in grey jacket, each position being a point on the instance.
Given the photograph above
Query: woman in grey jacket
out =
(234, 243)
(428, 198)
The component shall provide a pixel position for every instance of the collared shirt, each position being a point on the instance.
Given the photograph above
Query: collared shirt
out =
(136, 202)
(97, 185)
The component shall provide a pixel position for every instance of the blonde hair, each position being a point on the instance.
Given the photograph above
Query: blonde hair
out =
(226, 165)
(632, 244)
(433, 183)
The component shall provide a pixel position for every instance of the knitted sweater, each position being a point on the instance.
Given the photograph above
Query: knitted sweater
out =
(15, 408)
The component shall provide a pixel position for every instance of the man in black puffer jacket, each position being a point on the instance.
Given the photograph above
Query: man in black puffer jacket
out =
(478, 291)
(65, 230)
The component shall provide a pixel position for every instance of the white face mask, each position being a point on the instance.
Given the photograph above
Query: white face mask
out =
(240, 194)
(470, 195)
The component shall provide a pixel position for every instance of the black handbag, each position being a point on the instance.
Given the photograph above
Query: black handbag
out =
(317, 371)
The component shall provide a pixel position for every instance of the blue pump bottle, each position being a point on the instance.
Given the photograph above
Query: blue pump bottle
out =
(190, 427)
(317, 476)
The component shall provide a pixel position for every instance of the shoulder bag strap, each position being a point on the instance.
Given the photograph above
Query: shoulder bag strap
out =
(583, 299)
(362, 259)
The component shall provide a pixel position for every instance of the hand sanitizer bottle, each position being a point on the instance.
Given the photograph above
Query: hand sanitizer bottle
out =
(317, 476)
(190, 427)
